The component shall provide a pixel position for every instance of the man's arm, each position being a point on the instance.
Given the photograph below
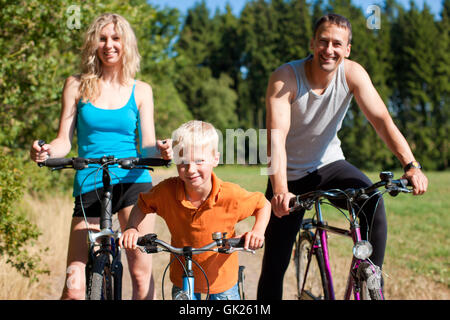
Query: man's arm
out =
(376, 112)
(281, 90)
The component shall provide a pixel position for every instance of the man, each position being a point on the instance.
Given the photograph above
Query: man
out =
(306, 102)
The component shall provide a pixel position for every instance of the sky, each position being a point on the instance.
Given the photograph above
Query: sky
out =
(238, 5)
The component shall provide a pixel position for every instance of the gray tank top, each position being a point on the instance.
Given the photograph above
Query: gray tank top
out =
(312, 140)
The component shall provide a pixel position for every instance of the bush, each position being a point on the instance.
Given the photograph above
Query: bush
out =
(17, 233)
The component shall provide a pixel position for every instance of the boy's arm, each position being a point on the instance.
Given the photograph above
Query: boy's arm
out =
(131, 234)
(255, 238)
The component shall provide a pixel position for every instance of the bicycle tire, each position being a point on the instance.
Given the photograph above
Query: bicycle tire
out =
(316, 287)
(369, 281)
(99, 281)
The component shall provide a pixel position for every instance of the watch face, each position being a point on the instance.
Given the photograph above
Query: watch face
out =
(413, 164)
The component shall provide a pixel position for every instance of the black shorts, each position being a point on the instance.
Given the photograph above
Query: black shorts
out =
(124, 195)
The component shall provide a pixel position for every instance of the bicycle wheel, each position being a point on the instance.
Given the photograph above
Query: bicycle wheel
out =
(369, 281)
(99, 281)
(241, 279)
(316, 285)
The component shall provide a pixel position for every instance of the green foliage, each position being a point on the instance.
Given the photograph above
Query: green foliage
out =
(17, 234)
(421, 83)
(274, 32)
(206, 90)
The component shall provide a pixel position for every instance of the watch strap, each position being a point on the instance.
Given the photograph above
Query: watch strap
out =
(412, 164)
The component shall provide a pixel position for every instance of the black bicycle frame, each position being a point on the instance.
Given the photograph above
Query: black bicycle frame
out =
(107, 244)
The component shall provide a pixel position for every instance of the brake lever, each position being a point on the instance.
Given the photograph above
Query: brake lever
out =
(233, 249)
(145, 249)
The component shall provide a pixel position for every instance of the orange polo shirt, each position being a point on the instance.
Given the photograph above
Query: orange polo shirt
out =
(226, 205)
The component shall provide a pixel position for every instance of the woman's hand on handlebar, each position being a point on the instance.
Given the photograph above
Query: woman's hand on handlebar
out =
(165, 148)
(280, 203)
(40, 152)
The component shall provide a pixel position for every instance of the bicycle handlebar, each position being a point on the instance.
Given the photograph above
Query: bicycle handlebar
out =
(151, 244)
(80, 163)
(394, 187)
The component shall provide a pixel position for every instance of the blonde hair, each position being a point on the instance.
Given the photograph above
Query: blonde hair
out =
(91, 65)
(194, 134)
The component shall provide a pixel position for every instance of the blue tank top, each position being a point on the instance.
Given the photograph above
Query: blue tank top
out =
(108, 132)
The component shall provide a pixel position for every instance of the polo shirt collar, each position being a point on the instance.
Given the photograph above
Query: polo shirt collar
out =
(209, 202)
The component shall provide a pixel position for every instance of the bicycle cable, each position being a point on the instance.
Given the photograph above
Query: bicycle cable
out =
(81, 202)
(336, 207)
(177, 256)
(165, 270)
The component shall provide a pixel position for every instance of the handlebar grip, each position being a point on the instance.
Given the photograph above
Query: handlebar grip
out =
(236, 242)
(57, 162)
(405, 182)
(153, 162)
(148, 239)
(292, 202)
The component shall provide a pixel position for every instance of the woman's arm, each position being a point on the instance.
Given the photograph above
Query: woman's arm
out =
(144, 100)
(62, 144)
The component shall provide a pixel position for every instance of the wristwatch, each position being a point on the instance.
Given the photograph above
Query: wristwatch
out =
(412, 164)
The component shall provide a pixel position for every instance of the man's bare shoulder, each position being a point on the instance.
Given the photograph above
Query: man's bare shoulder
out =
(355, 74)
(283, 80)
(284, 73)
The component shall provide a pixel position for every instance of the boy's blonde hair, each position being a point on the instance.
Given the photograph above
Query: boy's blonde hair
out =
(194, 134)
(91, 65)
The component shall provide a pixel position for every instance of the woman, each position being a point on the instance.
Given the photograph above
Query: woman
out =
(109, 109)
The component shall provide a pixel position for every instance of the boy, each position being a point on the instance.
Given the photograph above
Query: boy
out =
(197, 203)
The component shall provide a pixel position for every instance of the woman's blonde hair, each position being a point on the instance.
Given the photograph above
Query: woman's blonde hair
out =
(91, 65)
(194, 134)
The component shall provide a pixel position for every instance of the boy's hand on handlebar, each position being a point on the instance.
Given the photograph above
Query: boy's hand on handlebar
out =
(280, 203)
(39, 153)
(129, 239)
(418, 180)
(165, 148)
(253, 240)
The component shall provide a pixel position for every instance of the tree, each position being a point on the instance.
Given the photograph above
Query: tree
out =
(440, 95)
(414, 37)
(274, 32)
(204, 87)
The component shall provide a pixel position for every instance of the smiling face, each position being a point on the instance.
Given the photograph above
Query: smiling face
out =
(330, 46)
(110, 46)
(195, 167)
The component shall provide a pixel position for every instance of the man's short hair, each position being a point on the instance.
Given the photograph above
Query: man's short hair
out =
(336, 19)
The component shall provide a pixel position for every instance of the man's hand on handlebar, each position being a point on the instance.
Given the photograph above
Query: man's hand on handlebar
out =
(280, 203)
(418, 180)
